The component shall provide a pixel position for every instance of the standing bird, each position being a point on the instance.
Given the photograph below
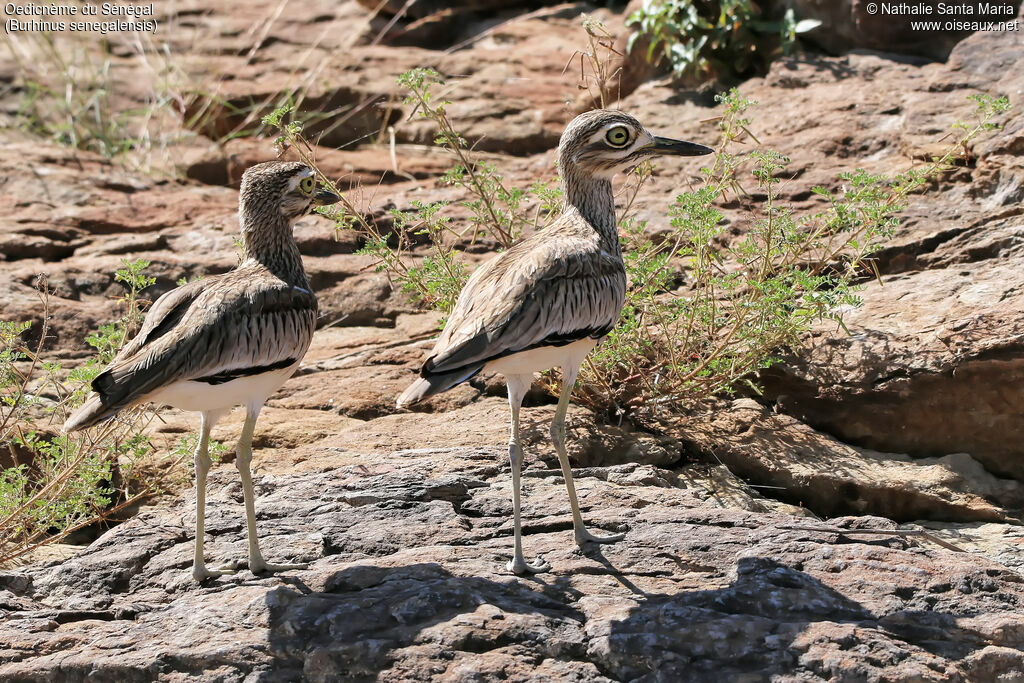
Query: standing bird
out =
(549, 299)
(225, 340)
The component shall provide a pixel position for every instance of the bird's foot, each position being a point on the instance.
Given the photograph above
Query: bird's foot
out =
(584, 536)
(257, 565)
(519, 565)
(201, 573)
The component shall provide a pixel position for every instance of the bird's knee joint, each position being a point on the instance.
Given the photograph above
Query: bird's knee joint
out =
(558, 432)
(242, 458)
(202, 462)
(515, 453)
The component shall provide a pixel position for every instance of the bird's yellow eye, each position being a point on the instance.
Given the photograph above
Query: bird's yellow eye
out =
(307, 184)
(617, 136)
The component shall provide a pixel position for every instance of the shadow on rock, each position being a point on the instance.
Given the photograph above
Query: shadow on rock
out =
(774, 620)
(421, 620)
(369, 619)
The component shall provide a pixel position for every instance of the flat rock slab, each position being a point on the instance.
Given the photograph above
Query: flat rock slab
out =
(406, 581)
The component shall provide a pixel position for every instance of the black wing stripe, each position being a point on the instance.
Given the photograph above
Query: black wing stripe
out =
(228, 375)
(560, 339)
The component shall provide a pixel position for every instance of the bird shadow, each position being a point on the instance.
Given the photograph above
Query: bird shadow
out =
(407, 620)
(594, 552)
(354, 626)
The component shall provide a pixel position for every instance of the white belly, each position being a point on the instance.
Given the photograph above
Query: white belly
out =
(202, 397)
(542, 358)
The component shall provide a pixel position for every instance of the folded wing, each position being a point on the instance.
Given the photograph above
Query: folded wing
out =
(552, 295)
(209, 330)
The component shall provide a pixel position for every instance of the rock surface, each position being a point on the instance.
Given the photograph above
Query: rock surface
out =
(406, 581)
(913, 418)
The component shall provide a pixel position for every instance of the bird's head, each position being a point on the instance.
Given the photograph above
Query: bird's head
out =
(281, 188)
(603, 142)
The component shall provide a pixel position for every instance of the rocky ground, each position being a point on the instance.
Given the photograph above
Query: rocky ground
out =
(913, 419)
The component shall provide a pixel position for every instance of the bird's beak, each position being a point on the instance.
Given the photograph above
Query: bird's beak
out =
(325, 198)
(680, 147)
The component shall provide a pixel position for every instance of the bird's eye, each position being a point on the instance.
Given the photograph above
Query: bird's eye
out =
(307, 184)
(617, 136)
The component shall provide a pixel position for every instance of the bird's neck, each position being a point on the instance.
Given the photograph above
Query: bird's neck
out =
(270, 242)
(593, 199)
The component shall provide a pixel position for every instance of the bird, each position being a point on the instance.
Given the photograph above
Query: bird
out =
(225, 340)
(549, 298)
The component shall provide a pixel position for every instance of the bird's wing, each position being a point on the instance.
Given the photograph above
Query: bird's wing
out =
(539, 292)
(212, 330)
(165, 313)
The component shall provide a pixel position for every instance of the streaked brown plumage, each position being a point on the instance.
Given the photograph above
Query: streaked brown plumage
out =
(551, 297)
(228, 339)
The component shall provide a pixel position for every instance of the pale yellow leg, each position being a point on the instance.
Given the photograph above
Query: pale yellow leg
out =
(518, 385)
(203, 462)
(244, 458)
(558, 437)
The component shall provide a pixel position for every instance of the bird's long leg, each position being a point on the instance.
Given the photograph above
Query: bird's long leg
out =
(244, 451)
(203, 462)
(518, 385)
(558, 437)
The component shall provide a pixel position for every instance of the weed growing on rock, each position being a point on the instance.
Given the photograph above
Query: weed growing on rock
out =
(495, 208)
(53, 484)
(67, 96)
(71, 92)
(599, 55)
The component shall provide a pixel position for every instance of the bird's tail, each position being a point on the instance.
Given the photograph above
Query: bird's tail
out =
(435, 384)
(94, 410)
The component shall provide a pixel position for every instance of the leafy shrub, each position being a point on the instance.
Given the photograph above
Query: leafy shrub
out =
(56, 484)
(70, 89)
(702, 38)
(742, 304)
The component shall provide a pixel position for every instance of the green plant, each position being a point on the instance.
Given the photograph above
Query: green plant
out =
(439, 276)
(71, 88)
(698, 38)
(186, 447)
(55, 484)
(110, 337)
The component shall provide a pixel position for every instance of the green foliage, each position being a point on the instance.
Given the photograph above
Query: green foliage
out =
(131, 275)
(282, 118)
(60, 483)
(11, 352)
(700, 39)
(75, 112)
(440, 276)
(70, 93)
(497, 212)
(110, 337)
(71, 90)
(82, 497)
